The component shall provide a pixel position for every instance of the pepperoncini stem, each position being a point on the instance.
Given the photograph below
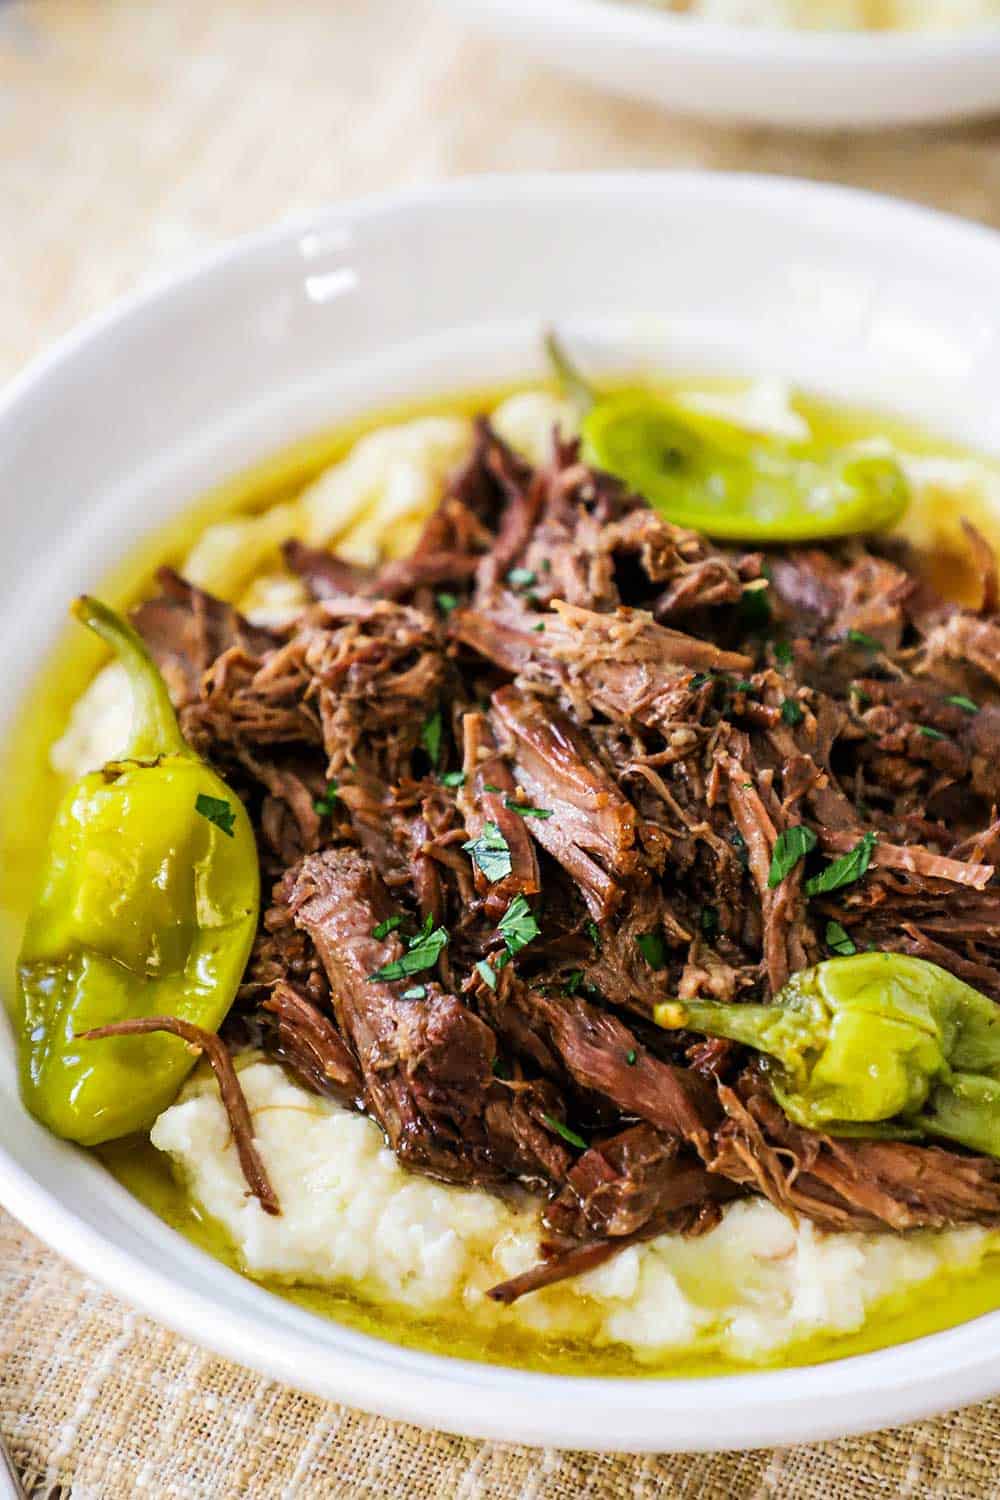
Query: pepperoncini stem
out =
(572, 382)
(782, 1033)
(155, 730)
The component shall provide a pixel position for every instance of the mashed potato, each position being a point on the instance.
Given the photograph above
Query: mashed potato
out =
(842, 15)
(353, 1218)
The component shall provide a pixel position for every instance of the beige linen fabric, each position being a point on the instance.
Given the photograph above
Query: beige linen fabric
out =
(133, 134)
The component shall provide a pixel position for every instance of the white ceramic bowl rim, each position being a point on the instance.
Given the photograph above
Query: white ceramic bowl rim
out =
(633, 22)
(229, 1314)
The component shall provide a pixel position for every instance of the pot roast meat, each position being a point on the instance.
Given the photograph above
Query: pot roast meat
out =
(309, 1045)
(630, 718)
(187, 630)
(849, 1184)
(426, 1062)
(573, 807)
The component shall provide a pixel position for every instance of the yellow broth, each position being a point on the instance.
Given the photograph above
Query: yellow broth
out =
(32, 790)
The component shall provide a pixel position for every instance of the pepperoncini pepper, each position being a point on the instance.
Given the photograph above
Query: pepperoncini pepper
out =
(718, 477)
(871, 1039)
(148, 906)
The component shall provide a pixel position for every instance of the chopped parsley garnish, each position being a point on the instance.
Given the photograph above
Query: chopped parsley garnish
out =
(630, 1057)
(573, 981)
(453, 778)
(422, 952)
(486, 973)
(845, 870)
(592, 930)
(446, 602)
(218, 811)
(416, 992)
(430, 736)
(517, 926)
(699, 680)
(930, 733)
(565, 1132)
(755, 610)
(489, 787)
(521, 578)
(709, 921)
(744, 687)
(653, 948)
(960, 701)
(791, 712)
(858, 638)
(389, 925)
(523, 810)
(859, 693)
(490, 852)
(324, 804)
(539, 627)
(783, 652)
(792, 845)
(839, 941)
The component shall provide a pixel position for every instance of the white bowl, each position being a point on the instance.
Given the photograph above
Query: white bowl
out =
(297, 328)
(758, 75)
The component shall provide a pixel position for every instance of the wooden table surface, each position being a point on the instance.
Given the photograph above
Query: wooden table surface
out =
(134, 134)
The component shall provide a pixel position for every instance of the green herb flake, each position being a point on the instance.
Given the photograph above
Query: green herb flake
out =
(489, 787)
(791, 711)
(218, 811)
(523, 810)
(430, 736)
(453, 778)
(564, 1130)
(792, 845)
(630, 1057)
(960, 701)
(416, 992)
(845, 870)
(709, 921)
(744, 687)
(490, 853)
(592, 930)
(573, 981)
(539, 627)
(783, 653)
(423, 952)
(739, 843)
(858, 638)
(324, 804)
(859, 693)
(446, 602)
(930, 733)
(653, 948)
(755, 611)
(486, 974)
(389, 925)
(699, 680)
(839, 941)
(500, 1068)
(521, 578)
(517, 926)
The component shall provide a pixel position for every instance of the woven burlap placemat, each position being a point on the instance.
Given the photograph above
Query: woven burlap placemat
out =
(133, 135)
(101, 1400)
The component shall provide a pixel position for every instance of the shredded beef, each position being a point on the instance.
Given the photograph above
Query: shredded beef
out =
(545, 766)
